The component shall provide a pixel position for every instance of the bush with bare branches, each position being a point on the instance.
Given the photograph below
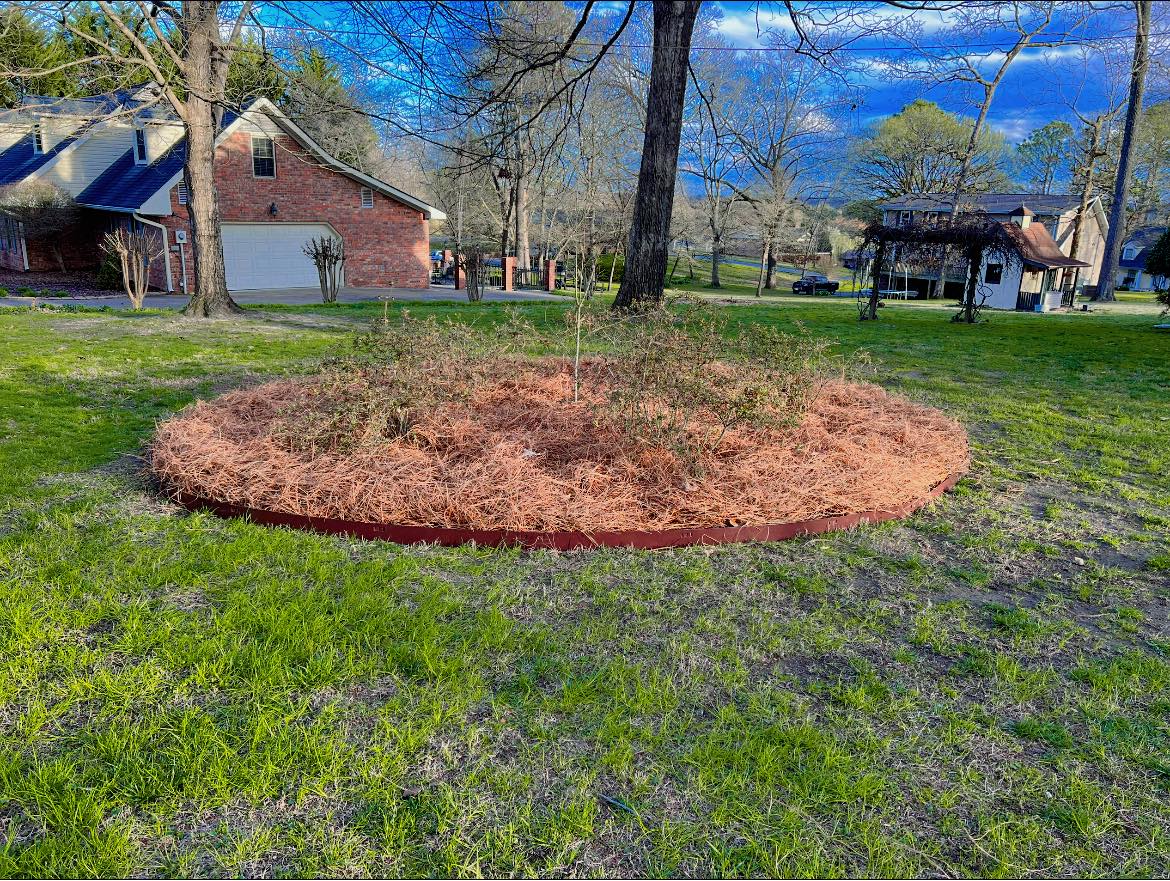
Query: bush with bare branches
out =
(135, 250)
(43, 210)
(328, 255)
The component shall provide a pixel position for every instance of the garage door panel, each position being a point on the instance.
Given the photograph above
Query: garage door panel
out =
(269, 255)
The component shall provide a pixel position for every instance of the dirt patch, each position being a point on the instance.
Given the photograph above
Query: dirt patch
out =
(75, 284)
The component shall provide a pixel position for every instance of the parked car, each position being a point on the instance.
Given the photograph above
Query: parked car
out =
(814, 284)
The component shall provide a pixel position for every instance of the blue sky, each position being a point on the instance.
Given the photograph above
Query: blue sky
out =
(1034, 91)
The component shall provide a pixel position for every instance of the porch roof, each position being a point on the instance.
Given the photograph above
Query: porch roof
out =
(1037, 247)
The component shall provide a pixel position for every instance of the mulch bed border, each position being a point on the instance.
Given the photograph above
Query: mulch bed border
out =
(563, 540)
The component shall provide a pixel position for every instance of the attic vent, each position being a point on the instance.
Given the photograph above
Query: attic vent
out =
(367, 197)
(182, 192)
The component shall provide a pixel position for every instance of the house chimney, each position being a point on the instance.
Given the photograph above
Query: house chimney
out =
(1022, 217)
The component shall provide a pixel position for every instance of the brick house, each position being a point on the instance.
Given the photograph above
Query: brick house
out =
(123, 163)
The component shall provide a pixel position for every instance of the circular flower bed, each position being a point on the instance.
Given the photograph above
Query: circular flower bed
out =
(520, 447)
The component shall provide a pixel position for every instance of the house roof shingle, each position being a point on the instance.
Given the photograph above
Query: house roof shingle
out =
(19, 161)
(1038, 248)
(991, 203)
(126, 185)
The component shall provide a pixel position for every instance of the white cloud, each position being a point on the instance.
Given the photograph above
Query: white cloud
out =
(747, 26)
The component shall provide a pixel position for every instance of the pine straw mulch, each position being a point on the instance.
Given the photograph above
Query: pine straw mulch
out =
(519, 454)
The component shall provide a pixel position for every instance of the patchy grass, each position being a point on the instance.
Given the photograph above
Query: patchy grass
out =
(983, 689)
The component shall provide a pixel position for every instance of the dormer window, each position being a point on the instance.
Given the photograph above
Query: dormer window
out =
(140, 157)
(367, 197)
(38, 140)
(1129, 253)
(263, 156)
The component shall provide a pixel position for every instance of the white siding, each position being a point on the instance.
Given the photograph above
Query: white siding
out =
(1004, 294)
(160, 138)
(158, 204)
(261, 124)
(77, 167)
(11, 132)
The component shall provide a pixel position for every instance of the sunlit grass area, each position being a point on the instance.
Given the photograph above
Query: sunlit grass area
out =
(983, 689)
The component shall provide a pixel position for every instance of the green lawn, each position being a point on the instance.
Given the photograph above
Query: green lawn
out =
(981, 690)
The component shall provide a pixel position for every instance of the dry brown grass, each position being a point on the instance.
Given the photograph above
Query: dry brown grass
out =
(517, 453)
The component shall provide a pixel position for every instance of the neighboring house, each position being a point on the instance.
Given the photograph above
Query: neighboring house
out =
(1033, 281)
(122, 161)
(1131, 271)
(1046, 243)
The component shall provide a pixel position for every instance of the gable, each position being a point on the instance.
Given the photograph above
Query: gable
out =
(264, 116)
(19, 161)
(128, 186)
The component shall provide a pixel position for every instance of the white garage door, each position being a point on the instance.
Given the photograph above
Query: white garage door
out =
(269, 255)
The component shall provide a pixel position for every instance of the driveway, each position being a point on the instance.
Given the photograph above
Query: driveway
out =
(293, 297)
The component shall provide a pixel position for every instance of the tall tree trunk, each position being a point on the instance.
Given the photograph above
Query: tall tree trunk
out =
(870, 307)
(770, 273)
(716, 253)
(968, 313)
(506, 202)
(642, 283)
(1071, 278)
(1133, 113)
(764, 257)
(201, 29)
(523, 253)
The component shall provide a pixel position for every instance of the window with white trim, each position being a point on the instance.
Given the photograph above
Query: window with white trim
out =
(38, 140)
(367, 197)
(1129, 253)
(263, 156)
(181, 192)
(140, 157)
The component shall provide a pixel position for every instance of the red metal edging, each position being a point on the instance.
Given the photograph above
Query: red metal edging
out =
(564, 540)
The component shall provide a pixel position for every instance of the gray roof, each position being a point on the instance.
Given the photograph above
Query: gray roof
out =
(1143, 239)
(992, 203)
(19, 161)
(131, 102)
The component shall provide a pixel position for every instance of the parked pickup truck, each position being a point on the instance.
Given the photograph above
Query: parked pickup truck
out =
(814, 284)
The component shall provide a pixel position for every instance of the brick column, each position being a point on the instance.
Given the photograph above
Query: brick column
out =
(460, 276)
(550, 275)
(446, 259)
(508, 264)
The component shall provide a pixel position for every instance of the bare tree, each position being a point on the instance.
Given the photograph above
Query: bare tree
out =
(328, 255)
(1133, 114)
(184, 50)
(1091, 145)
(711, 152)
(135, 250)
(1026, 21)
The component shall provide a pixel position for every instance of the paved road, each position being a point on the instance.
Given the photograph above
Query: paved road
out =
(293, 297)
(754, 264)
